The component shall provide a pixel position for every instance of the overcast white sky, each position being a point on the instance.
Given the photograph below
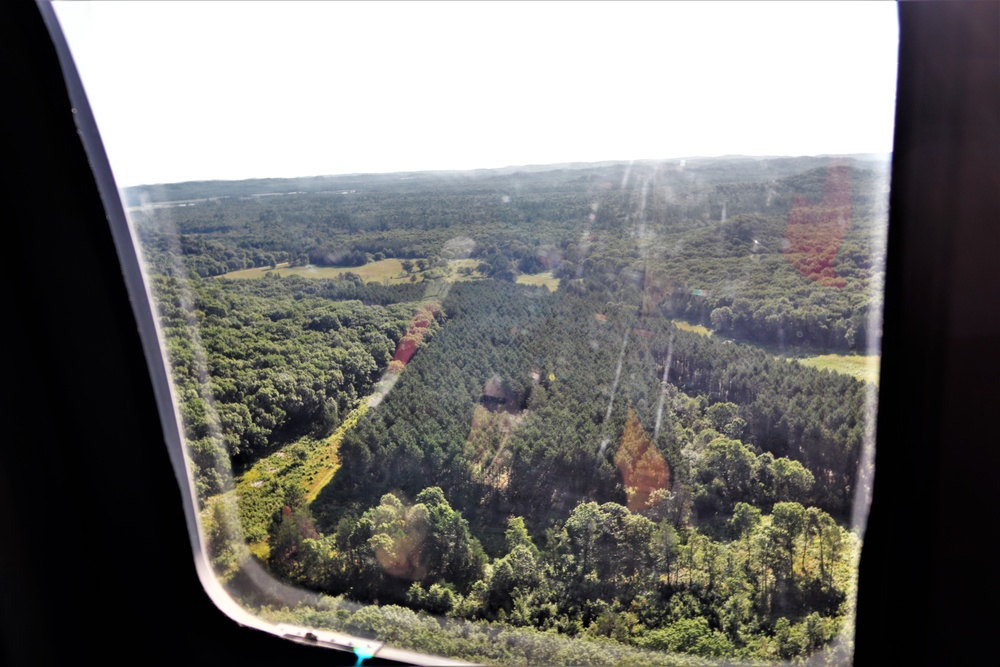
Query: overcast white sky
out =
(231, 90)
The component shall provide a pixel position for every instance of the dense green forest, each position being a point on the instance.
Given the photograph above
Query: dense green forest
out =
(256, 364)
(727, 254)
(533, 463)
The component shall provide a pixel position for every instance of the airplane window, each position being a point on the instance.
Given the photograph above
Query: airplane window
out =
(536, 333)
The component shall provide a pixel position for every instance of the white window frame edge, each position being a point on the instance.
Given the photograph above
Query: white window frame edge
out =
(151, 336)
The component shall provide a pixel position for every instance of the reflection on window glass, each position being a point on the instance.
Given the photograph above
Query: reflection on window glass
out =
(613, 405)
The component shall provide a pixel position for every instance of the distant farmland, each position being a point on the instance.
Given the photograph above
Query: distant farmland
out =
(390, 270)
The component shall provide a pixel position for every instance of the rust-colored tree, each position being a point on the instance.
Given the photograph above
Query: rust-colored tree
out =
(815, 231)
(642, 466)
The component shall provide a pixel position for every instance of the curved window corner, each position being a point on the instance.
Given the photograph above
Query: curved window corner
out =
(612, 404)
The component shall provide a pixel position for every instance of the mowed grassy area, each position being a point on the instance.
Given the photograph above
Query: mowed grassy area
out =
(540, 279)
(386, 271)
(862, 367)
(390, 270)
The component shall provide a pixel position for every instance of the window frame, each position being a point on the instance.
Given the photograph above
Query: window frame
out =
(938, 275)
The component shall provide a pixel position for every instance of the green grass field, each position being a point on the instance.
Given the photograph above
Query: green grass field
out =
(540, 279)
(386, 271)
(862, 367)
(390, 270)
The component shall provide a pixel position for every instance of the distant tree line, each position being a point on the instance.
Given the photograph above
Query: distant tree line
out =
(790, 262)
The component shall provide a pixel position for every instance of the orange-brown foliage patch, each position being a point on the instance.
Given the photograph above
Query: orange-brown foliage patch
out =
(814, 232)
(642, 466)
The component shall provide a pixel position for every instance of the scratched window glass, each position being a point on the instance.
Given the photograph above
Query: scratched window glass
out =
(516, 333)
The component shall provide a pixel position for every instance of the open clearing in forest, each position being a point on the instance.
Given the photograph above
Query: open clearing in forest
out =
(309, 464)
(540, 279)
(327, 456)
(455, 264)
(862, 367)
(693, 328)
(386, 271)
